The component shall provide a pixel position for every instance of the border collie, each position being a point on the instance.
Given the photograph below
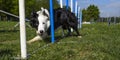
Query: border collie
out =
(41, 22)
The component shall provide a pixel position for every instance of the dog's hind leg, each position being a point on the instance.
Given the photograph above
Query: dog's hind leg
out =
(63, 33)
(76, 30)
(69, 31)
(37, 38)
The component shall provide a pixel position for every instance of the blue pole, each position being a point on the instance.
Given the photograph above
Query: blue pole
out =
(67, 3)
(74, 6)
(52, 21)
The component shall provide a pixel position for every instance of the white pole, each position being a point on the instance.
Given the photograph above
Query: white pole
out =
(78, 12)
(79, 17)
(61, 4)
(71, 5)
(22, 29)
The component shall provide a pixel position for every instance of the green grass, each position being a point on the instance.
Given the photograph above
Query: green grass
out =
(99, 42)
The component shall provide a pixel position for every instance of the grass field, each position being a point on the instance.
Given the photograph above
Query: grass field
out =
(99, 42)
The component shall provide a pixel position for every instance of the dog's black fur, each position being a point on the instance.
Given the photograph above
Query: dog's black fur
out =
(62, 17)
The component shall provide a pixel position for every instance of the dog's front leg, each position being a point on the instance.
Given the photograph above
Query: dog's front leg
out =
(37, 38)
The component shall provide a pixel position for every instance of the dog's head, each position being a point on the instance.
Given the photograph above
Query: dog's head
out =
(40, 21)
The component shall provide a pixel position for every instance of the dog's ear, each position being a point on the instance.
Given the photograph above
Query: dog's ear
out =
(34, 14)
(33, 19)
(46, 13)
(42, 9)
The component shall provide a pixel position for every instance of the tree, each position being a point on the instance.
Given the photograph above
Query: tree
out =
(85, 15)
(12, 6)
(91, 13)
(6, 6)
(37, 4)
(15, 9)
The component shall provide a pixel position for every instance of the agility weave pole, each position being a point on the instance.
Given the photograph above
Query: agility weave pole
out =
(78, 13)
(52, 21)
(22, 29)
(79, 17)
(67, 4)
(15, 17)
(77, 10)
(61, 4)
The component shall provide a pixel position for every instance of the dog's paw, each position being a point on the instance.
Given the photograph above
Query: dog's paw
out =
(79, 36)
(28, 42)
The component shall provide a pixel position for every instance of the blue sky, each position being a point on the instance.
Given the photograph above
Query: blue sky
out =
(107, 7)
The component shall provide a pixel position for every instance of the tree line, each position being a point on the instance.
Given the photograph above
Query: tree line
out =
(109, 19)
(12, 6)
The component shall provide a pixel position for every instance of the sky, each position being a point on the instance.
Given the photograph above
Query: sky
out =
(107, 8)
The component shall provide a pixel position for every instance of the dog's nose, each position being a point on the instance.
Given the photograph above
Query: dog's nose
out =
(41, 31)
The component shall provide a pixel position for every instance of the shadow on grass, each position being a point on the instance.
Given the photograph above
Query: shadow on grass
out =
(6, 52)
(57, 39)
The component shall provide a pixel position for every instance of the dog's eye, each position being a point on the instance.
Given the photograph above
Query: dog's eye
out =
(43, 22)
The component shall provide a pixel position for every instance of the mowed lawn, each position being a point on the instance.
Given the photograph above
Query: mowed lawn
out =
(99, 42)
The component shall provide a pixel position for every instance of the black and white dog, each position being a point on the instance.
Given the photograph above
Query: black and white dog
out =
(41, 22)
